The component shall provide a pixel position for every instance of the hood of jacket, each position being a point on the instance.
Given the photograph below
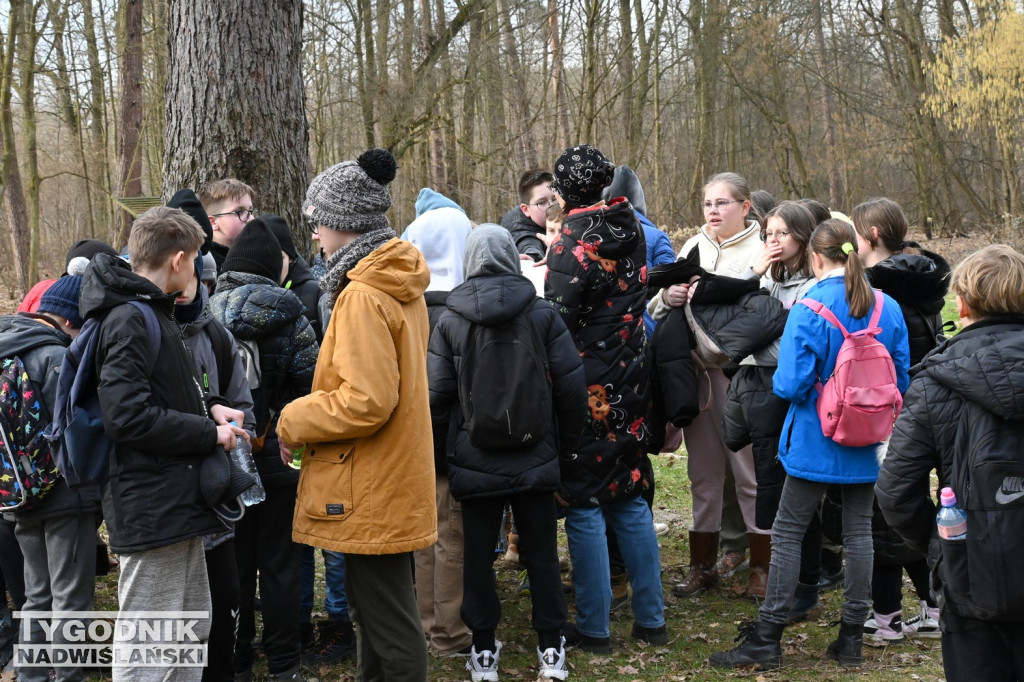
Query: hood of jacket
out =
(440, 234)
(492, 299)
(109, 281)
(397, 268)
(610, 231)
(22, 333)
(252, 306)
(299, 273)
(916, 280)
(984, 364)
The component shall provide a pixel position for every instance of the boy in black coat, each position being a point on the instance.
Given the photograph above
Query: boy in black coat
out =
(495, 294)
(162, 428)
(961, 389)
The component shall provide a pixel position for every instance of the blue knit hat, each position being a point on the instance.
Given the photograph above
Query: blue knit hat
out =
(62, 299)
(428, 200)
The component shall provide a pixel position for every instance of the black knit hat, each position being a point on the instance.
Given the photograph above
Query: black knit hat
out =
(280, 229)
(581, 174)
(187, 201)
(62, 299)
(255, 251)
(87, 248)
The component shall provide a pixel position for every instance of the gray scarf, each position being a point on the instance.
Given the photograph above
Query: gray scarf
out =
(346, 258)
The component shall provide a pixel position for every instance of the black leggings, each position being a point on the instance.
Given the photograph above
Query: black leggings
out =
(887, 585)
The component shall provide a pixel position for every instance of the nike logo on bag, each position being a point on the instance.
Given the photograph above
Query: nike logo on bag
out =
(1011, 490)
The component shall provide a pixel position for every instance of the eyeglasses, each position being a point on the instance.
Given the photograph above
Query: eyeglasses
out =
(248, 213)
(777, 235)
(720, 204)
(313, 226)
(544, 203)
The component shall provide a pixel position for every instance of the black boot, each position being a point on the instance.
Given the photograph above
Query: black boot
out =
(847, 647)
(760, 646)
(805, 603)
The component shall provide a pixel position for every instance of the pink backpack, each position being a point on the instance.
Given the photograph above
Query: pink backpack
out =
(859, 403)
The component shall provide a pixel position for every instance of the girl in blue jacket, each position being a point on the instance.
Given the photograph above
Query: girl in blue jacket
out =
(813, 461)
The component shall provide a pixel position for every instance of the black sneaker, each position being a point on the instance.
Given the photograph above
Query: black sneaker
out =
(654, 636)
(594, 645)
(831, 581)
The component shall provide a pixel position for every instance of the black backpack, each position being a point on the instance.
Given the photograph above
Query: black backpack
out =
(505, 386)
(981, 575)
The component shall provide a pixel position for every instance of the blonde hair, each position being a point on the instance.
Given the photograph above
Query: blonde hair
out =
(828, 241)
(215, 194)
(739, 186)
(159, 233)
(991, 282)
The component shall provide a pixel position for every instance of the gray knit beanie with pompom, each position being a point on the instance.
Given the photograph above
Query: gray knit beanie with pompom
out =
(352, 196)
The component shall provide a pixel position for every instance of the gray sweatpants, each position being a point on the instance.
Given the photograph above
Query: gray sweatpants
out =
(171, 578)
(60, 575)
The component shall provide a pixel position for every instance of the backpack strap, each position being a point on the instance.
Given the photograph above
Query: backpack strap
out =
(876, 314)
(819, 308)
(152, 328)
(221, 341)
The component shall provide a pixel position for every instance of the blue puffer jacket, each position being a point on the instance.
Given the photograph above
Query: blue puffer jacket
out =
(659, 251)
(808, 350)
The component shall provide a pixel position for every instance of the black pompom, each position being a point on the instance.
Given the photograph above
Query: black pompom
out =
(379, 164)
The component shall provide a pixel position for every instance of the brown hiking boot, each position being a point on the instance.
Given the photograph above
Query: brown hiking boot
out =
(620, 589)
(760, 558)
(702, 575)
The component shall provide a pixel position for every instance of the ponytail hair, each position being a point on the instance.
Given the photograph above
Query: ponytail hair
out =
(885, 215)
(836, 240)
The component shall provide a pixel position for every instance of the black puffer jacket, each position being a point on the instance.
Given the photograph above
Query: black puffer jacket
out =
(597, 274)
(41, 348)
(674, 376)
(495, 300)
(738, 325)
(525, 233)
(919, 284)
(155, 413)
(983, 364)
(254, 307)
(437, 303)
(307, 287)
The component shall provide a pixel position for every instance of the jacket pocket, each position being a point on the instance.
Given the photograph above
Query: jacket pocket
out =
(325, 485)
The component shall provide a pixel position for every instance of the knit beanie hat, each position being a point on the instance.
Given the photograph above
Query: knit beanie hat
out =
(280, 229)
(255, 251)
(86, 248)
(187, 201)
(62, 299)
(351, 196)
(581, 173)
(428, 200)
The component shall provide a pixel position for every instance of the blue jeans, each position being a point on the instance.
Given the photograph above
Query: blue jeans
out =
(336, 601)
(634, 526)
(800, 499)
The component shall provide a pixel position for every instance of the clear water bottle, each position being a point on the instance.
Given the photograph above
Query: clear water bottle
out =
(242, 454)
(951, 519)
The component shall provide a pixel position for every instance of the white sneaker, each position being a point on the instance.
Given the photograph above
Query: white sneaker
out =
(925, 624)
(660, 528)
(552, 663)
(483, 665)
(881, 629)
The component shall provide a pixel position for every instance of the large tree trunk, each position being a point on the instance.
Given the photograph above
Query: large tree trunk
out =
(129, 161)
(10, 175)
(235, 101)
(836, 189)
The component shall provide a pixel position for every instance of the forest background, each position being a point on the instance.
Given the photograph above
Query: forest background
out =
(106, 101)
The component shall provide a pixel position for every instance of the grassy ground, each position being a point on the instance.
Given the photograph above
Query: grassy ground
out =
(697, 627)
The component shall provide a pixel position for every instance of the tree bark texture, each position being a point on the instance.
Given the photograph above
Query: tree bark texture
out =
(129, 159)
(235, 103)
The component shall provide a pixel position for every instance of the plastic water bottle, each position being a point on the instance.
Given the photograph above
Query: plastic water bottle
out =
(297, 453)
(242, 454)
(951, 519)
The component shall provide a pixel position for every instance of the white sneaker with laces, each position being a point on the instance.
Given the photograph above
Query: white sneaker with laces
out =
(882, 628)
(660, 528)
(483, 665)
(552, 663)
(925, 624)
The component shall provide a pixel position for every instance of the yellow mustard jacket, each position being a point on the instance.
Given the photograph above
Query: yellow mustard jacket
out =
(367, 479)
